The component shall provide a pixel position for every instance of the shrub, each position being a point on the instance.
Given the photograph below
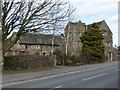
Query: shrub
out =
(69, 62)
(27, 62)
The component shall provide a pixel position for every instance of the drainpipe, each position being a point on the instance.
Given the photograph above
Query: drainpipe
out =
(111, 56)
(108, 56)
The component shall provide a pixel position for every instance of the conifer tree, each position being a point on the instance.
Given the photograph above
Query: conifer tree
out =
(93, 47)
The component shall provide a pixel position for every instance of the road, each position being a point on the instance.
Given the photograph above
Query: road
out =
(103, 77)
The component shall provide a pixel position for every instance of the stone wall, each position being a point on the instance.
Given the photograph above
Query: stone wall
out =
(73, 31)
(107, 34)
(23, 49)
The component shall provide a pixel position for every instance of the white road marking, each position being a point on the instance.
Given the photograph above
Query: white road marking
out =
(58, 87)
(55, 88)
(94, 77)
(19, 82)
(46, 77)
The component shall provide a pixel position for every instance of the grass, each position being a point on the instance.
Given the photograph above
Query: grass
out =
(8, 72)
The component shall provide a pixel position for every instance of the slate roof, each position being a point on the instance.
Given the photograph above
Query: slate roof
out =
(40, 39)
(90, 25)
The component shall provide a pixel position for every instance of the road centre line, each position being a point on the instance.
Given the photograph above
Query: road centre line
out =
(47, 77)
(94, 77)
(55, 88)
(53, 76)
(58, 87)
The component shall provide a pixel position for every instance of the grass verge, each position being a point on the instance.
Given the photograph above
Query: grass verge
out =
(8, 72)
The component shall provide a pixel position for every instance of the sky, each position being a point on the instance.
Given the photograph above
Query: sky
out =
(89, 11)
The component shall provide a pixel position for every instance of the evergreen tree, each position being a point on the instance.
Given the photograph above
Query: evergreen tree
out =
(93, 47)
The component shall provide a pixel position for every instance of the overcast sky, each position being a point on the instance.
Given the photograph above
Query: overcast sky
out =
(89, 11)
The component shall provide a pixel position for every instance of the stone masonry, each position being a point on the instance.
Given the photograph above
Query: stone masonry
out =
(73, 31)
(69, 43)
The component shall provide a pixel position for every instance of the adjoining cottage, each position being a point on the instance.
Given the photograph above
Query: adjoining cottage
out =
(36, 44)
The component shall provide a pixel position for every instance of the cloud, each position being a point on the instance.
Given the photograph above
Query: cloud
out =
(90, 11)
(95, 9)
(93, 1)
(113, 19)
(113, 24)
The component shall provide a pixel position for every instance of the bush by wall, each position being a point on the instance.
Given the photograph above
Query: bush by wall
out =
(28, 62)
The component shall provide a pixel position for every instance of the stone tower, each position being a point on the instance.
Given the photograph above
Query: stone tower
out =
(74, 30)
(72, 33)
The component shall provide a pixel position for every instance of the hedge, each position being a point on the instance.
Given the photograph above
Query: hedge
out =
(28, 62)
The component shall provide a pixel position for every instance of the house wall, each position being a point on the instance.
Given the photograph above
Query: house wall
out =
(70, 43)
(72, 38)
(23, 49)
(107, 40)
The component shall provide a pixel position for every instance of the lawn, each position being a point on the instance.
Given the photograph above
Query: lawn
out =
(7, 72)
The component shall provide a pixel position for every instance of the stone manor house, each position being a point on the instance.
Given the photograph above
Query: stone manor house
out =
(69, 43)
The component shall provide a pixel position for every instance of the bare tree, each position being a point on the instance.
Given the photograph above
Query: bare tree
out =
(1, 56)
(70, 18)
(24, 17)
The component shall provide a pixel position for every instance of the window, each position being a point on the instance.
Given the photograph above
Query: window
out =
(79, 43)
(37, 53)
(44, 53)
(79, 33)
(70, 33)
(26, 46)
(104, 32)
(22, 52)
(37, 46)
(15, 51)
(9, 50)
(107, 43)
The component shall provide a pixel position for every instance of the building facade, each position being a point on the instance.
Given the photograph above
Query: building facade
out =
(70, 43)
(36, 44)
(72, 34)
(73, 31)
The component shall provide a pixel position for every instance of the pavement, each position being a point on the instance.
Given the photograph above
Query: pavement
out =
(29, 76)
